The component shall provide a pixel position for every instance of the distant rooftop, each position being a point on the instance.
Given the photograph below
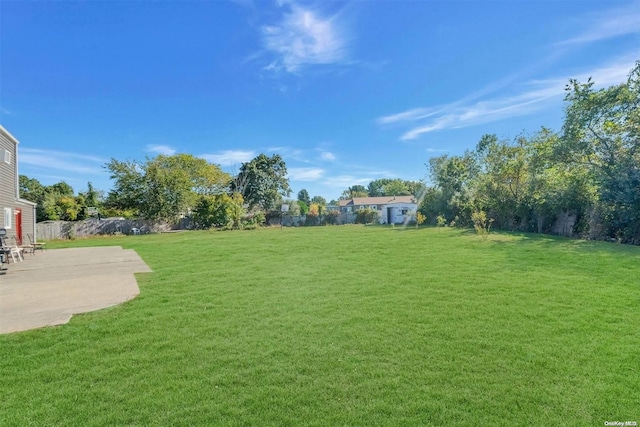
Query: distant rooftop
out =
(382, 200)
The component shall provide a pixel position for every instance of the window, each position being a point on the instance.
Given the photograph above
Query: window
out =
(7, 157)
(405, 211)
(8, 213)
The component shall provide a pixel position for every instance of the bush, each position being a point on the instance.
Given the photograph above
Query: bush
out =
(367, 216)
(331, 217)
(219, 211)
(311, 220)
(273, 216)
(481, 224)
(441, 221)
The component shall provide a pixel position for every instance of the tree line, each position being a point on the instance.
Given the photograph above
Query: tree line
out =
(169, 187)
(590, 170)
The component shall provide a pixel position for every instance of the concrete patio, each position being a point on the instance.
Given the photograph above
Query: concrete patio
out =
(48, 288)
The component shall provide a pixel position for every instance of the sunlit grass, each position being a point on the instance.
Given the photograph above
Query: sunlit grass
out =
(344, 325)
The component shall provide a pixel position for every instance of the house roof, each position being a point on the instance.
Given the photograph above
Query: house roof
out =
(383, 200)
(8, 135)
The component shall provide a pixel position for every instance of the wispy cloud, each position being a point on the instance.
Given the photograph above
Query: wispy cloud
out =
(290, 153)
(532, 96)
(305, 174)
(229, 157)
(304, 37)
(409, 115)
(608, 24)
(344, 181)
(160, 149)
(62, 161)
(327, 156)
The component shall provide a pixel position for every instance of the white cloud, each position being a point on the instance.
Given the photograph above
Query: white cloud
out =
(63, 161)
(488, 111)
(304, 38)
(305, 174)
(229, 157)
(533, 96)
(409, 115)
(344, 181)
(327, 156)
(608, 24)
(161, 149)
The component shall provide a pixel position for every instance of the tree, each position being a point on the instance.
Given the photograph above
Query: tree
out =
(376, 187)
(453, 195)
(354, 191)
(303, 208)
(319, 200)
(164, 187)
(62, 188)
(130, 187)
(235, 211)
(294, 207)
(263, 182)
(67, 208)
(313, 214)
(416, 188)
(174, 182)
(54, 202)
(503, 185)
(303, 196)
(396, 187)
(31, 189)
(92, 196)
(314, 209)
(602, 132)
(221, 210)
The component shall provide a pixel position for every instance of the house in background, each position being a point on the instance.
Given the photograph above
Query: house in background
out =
(17, 216)
(392, 209)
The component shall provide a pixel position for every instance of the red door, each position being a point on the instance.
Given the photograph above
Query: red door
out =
(19, 225)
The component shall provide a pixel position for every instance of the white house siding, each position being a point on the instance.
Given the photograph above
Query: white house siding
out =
(396, 216)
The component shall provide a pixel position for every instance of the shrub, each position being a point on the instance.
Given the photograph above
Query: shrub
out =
(311, 220)
(481, 224)
(303, 207)
(367, 216)
(331, 217)
(220, 210)
(441, 221)
(420, 219)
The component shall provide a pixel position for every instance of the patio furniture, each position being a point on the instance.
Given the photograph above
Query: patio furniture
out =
(34, 244)
(12, 251)
(17, 243)
(4, 259)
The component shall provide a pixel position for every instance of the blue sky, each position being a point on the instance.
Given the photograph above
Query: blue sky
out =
(346, 92)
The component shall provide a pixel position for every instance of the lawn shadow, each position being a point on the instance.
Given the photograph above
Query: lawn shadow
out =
(569, 244)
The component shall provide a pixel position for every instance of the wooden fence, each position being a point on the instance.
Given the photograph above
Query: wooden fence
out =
(50, 230)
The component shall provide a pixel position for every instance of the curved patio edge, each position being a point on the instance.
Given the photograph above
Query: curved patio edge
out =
(49, 288)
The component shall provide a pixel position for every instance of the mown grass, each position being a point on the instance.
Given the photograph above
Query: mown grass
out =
(344, 326)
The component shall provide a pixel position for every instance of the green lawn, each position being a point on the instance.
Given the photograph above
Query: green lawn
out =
(344, 325)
